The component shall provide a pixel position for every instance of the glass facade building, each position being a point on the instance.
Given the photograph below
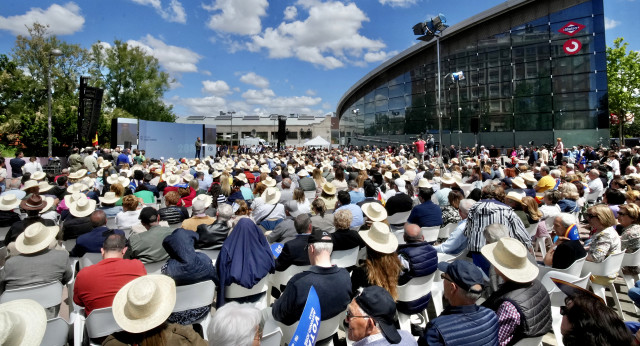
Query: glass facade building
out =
(534, 70)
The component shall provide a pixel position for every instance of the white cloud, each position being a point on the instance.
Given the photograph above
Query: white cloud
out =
(290, 13)
(255, 80)
(328, 37)
(261, 97)
(209, 105)
(310, 92)
(379, 56)
(218, 88)
(173, 58)
(241, 17)
(398, 3)
(173, 13)
(610, 23)
(206, 72)
(62, 20)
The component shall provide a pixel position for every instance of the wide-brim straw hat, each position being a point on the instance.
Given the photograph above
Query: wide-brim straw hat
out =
(242, 177)
(380, 238)
(329, 188)
(22, 322)
(271, 195)
(388, 175)
(215, 174)
(265, 169)
(44, 186)
(29, 184)
(518, 182)
(144, 303)
(9, 202)
(49, 203)
(448, 178)
(82, 207)
(78, 174)
(207, 199)
(109, 198)
(516, 196)
(77, 187)
(35, 237)
(38, 175)
(528, 176)
(374, 211)
(173, 180)
(112, 179)
(68, 199)
(424, 182)
(509, 256)
(105, 164)
(269, 182)
(303, 173)
(411, 175)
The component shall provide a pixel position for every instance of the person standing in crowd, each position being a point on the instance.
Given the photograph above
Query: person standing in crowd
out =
(16, 165)
(559, 151)
(419, 144)
(198, 147)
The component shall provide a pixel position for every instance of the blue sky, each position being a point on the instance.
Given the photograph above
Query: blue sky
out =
(260, 56)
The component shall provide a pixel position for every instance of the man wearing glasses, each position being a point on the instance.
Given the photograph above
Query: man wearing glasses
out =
(462, 322)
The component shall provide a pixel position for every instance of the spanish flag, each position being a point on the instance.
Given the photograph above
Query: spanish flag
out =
(95, 140)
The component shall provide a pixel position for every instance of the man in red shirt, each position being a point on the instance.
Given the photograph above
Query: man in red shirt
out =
(420, 148)
(96, 285)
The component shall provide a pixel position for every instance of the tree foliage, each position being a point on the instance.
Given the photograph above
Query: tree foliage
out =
(623, 74)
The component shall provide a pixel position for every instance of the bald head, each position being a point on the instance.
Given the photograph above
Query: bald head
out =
(98, 218)
(412, 233)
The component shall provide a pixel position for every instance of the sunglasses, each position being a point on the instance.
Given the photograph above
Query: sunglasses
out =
(622, 213)
(444, 277)
(350, 315)
(564, 310)
(589, 216)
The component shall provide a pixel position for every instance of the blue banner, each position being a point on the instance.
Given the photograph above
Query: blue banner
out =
(276, 249)
(309, 324)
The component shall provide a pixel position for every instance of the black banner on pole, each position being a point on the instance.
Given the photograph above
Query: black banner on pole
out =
(88, 111)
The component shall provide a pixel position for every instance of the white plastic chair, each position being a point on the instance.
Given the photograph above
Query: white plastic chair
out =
(101, 323)
(631, 260)
(345, 258)
(236, 291)
(446, 230)
(610, 266)
(400, 236)
(280, 278)
(111, 223)
(430, 234)
(89, 259)
(57, 332)
(310, 195)
(443, 257)
(48, 295)
(574, 269)
(398, 218)
(327, 329)
(557, 297)
(532, 229)
(195, 296)
(271, 334)
(4, 231)
(530, 341)
(414, 289)
(154, 268)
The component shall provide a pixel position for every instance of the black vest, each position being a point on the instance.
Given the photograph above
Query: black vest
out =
(533, 304)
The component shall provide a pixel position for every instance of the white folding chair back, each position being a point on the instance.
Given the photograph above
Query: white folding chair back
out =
(89, 259)
(398, 218)
(281, 278)
(430, 234)
(610, 266)
(557, 297)
(532, 229)
(154, 268)
(310, 195)
(530, 341)
(446, 230)
(57, 332)
(345, 258)
(400, 236)
(236, 291)
(574, 269)
(47, 295)
(111, 223)
(4, 231)
(271, 334)
(631, 260)
(414, 289)
(194, 296)
(101, 323)
(443, 257)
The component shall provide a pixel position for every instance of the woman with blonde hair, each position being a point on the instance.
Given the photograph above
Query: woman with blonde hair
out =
(304, 206)
(319, 180)
(633, 197)
(530, 207)
(629, 230)
(225, 183)
(362, 176)
(568, 203)
(604, 241)
(118, 189)
(130, 212)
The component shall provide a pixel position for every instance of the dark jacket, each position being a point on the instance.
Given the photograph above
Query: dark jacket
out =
(19, 227)
(8, 218)
(345, 239)
(400, 202)
(467, 325)
(532, 301)
(73, 227)
(92, 241)
(294, 253)
(185, 265)
(212, 236)
(173, 214)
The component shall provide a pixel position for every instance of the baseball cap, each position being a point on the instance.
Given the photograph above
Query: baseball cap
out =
(376, 302)
(464, 274)
(319, 236)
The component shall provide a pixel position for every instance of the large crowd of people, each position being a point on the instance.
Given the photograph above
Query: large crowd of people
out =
(500, 215)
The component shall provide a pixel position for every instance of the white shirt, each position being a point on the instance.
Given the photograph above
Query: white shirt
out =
(126, 219)
(264, 212)
(32, 167)
(595, 189)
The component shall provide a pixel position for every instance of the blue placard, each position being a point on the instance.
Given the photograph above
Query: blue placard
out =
(276, 249)
(309, 324)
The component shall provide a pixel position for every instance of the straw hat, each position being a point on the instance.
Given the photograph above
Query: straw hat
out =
(77, 187)
(518, 182)
(411, 165)
(509, 256)
(22, 322)
(48, 204)
(82, 207)
(329, 189)
(529, 177)
(374, 211)
(78, 174)
(379, 237)
(271, 195)
(411, 175)
(447, 178)
(39, 175)
(9, 202)
(36, 237)
(109, 198)
(34, 202)
(388, 175)
(265, 169)
(242, 177)
(105, 164)
(423, 182)
(207, 199)
(144, 303)
(29, 184)
(68, 199)
(516, 196)
(112, 179)
(303, 173)
(44, 186)
(270, 182)
(173, 180)
(215, 174)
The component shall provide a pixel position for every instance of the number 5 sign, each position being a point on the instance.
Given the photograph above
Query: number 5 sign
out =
(572, 46)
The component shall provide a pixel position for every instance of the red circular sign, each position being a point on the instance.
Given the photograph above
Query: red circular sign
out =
(572, 46)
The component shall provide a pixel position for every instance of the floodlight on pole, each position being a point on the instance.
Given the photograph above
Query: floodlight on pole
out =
(52, 53)
(457, 77)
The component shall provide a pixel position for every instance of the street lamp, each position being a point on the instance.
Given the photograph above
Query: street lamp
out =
(430, 29)
(355, 113)
(457, 77)
(52, 53)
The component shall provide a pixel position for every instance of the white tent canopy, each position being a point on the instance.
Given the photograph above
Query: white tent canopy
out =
(316, 142)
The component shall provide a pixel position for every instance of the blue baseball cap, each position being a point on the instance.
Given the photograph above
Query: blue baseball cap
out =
(464, 274)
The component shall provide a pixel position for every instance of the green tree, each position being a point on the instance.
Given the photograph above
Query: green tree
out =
(623, 74)
(132, 80)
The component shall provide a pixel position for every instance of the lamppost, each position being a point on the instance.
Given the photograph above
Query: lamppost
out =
(52, 53)
(355, 113)
(457, 77)
(430, 29)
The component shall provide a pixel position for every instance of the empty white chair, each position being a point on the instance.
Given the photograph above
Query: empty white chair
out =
(557, 297)
(271, 334)
(631, 260)
(195, 296)
(446, 230)
(398, 218)
(574, 269)
(430, 234)
(610, 266)
(236, 291)
(327, 328)
(280, 278)
(345, 258)
(56, 333)
(101, 323)
(414, 289)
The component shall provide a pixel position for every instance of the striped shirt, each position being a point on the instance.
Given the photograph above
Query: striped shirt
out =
(487, 212)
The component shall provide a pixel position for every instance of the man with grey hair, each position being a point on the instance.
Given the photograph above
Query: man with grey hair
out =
(13, 188)
(294, 251)
(567, 248)
(286, 192)
(332, 284)
(495, 231)
(457, 241)
(199, 217)
(212, 236)
(285, 230)
(596, 187)
(235, 324)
